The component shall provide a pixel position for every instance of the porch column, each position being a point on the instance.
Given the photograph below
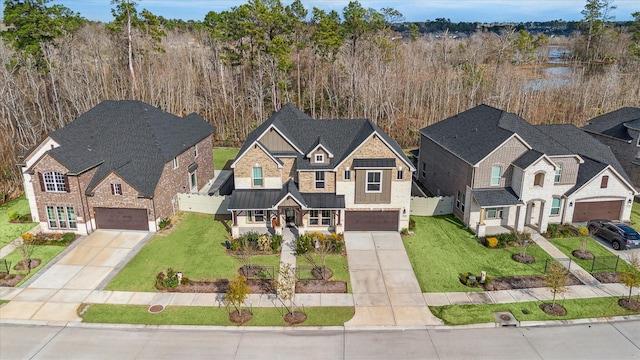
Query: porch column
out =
(234, 217)
(481, 216)
(520, 217)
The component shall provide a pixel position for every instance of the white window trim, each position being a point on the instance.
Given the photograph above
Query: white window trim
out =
(175, 162)
(498, 213)
(318, 182)
(319, 158)
(499, 177)
(552, 207)
(347, 174)
(55, 180)
(262, 213)
(117, 188)
(400, 174)
(66, 213)
(557, 176)
(366, 183)
(193, 186)
(319, 218)
(254, 178)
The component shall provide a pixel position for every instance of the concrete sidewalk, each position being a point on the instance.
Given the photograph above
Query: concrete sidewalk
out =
(574, 268)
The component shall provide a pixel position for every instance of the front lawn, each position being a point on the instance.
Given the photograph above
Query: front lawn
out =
(195, 246)
(576, 309)
(567, 246)
(207, 315)
(337, 263)
(43, 252)
(441, 249)
(10, 231)
(635, 216)
(222, 155)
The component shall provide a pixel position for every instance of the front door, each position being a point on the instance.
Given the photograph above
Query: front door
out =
(290, 217)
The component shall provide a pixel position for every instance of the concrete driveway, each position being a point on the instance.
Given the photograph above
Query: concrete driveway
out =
(385, 289)
(56, 292)
(624, 254)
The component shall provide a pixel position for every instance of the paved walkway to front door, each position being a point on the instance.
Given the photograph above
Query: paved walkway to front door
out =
(385, 289)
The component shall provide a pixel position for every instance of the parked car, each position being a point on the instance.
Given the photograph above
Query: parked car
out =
(621, 236)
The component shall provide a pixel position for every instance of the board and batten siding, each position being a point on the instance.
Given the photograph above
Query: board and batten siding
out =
(364, 197)
(274, 142)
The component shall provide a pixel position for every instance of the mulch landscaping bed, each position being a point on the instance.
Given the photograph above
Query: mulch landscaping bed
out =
(240, 317)
(32, 265)
(584, 255)
(10, 280)
(220, 286)
(295, 317)
(523, 282)
(630, 304)
(321, 286)
(607, 277)
(555, 309)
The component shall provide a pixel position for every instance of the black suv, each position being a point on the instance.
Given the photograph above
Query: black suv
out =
(621, 236)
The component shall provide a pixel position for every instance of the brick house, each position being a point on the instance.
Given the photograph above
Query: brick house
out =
(319, 175)
(620, 130)
(120, 165)
(506, 173)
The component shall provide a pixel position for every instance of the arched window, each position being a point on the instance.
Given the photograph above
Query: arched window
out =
(538, 180)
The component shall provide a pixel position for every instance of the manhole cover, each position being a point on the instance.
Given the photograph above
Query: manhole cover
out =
(505, 318)
(154, 309)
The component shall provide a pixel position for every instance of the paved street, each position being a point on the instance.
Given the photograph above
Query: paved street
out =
(619, 340)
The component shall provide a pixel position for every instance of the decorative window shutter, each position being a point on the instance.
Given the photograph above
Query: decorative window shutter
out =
(41, 178)
(66, 183)
(113, 190)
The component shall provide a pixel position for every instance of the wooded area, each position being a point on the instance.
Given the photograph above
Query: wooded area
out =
(237, 67)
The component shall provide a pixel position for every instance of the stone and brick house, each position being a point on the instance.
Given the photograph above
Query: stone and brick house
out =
(620, 130)
(506, 173)
(120, 165)
(319, 175)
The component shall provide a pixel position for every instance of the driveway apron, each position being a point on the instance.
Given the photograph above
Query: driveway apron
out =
(385, 289)
(58, 291)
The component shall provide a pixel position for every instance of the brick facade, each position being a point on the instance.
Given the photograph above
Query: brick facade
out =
(255, 155)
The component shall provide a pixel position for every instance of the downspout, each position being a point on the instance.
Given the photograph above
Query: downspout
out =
(84, 211)
(153, 203)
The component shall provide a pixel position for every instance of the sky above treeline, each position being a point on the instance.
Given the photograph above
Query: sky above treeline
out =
(413, 10)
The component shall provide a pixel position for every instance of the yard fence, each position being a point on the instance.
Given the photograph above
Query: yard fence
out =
(431, 206)
(564, 262)
(205, 204)
(605, 264)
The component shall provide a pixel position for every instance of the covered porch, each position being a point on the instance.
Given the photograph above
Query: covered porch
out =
(496, 211)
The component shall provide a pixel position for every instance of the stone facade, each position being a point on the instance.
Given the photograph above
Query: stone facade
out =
(243, 171)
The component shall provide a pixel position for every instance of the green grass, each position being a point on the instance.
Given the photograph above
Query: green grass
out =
(43, 252)
(567, 246)
(222, 155)
(201, 315)
(195, 247)
(441, 249)
(337, 263)
(635, 216)
(9, 231)
(576, 309)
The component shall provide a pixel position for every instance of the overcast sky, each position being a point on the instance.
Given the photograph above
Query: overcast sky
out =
(413, 10)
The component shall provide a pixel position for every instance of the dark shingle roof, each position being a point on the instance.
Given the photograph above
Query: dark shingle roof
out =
(473, 134)
(613, 123)
(496, 197)
(340, 137)
(527, 159)
(256, 199)
(596, 154)
(131, 138)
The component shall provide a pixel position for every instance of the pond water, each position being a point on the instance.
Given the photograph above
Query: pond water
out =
(554, 76)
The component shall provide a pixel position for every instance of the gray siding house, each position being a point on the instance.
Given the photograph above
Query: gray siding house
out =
(506, 173)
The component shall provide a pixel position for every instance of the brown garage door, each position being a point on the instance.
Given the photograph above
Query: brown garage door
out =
(121, 219)
(608, 210)
(371, 220)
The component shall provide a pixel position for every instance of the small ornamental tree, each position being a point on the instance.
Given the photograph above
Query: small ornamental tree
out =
(557, 279)
(631, 279)
(26, 250)
(286, 286)
(237, 293)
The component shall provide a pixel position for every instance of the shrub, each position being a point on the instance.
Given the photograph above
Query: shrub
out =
(583, 231)
(164, 223)
(412, 224)
(264, 243)
(169, 279)
(492, 242)
(276, 242)
(68, 237)
(552, 229)
(404, 231)
(13, 215)
(303, 244)
(27, 237)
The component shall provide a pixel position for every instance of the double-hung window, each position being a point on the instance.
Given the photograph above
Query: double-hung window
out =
(320, 180)
(257, 177)
(555, 206)
(317, 217)
(374, 181)
(496, 173)
(494, 213)
(558, 175)
(61, 217)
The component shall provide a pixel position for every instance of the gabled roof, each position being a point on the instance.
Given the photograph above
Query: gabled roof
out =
(291, 190)
(263, 199)
(339, 137)
(616, 123)
(475, 133)
(595, 154)
(128, 137)
(496, 197)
